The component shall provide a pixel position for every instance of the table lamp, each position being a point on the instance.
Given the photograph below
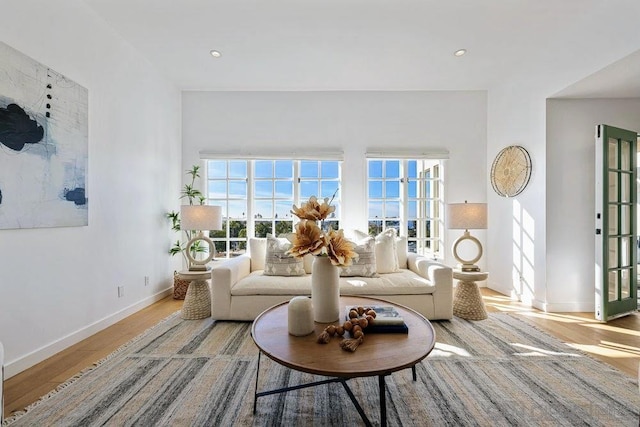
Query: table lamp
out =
(200, 218)
(466, 216)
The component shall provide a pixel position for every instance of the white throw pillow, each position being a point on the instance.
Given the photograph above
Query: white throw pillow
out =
(386, 250)
(307, 261)
(365, 265)
(257, 251)
(277, 262)
(401, 246)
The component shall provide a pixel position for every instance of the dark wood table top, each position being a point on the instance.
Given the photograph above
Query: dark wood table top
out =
(379, 354)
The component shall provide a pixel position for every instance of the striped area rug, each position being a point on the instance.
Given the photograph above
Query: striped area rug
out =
(497, 372)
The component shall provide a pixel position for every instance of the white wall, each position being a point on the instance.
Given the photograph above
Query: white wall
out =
(59, 285)
(516, 234)
(571, 194)
(350, 121)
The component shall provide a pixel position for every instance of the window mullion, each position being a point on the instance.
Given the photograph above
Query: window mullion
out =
(296, 183)
(404, 197)
(250, 192)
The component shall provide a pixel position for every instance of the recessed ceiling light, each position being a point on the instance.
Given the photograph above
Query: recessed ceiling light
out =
(460, 52)
(215, 54)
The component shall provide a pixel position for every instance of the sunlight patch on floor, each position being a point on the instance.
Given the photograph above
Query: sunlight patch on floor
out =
(534, 351)
(555, 318)
(621, 347)
(604, 351)
(605, 327)
(507, 307)
(449, 350)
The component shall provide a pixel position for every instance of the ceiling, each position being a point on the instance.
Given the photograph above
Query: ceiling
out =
(386, 44)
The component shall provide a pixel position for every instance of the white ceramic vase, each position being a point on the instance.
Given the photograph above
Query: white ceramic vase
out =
(325, 290)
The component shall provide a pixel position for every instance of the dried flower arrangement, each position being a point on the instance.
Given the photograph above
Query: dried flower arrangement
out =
(310, 238)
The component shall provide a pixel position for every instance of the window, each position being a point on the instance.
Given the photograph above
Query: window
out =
(227, 186)
(406, 195)
(256, 196)
(273, 196)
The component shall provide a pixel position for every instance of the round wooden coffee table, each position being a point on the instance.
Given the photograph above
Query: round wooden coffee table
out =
(379, 354)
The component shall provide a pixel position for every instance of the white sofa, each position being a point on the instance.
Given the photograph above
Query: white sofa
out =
(240, 290)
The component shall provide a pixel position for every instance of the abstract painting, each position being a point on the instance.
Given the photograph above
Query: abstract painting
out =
(43, 145)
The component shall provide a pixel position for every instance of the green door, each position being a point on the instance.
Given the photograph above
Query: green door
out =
(616, 236)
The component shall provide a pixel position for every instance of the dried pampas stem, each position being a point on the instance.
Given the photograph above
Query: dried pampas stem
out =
(351, 344)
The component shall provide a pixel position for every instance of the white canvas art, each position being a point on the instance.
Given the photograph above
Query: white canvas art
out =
(43, 145)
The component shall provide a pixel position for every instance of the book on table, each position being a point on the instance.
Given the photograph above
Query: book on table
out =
(387, 320)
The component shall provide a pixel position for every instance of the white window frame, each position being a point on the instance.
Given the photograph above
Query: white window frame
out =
(250, 200)
(423, 244)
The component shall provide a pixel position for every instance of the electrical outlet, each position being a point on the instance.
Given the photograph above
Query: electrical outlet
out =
(146, 280)
(120, 291)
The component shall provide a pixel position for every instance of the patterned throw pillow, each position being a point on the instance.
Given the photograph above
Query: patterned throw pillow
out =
(386, 250)
(277, 262)
(365, 265)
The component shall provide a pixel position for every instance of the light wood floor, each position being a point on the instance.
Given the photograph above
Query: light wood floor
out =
(616, 343)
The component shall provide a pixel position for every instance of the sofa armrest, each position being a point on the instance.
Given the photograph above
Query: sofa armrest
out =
(441, 275)
(224, 275)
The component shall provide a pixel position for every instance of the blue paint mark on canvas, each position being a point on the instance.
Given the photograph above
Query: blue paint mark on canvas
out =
(76, 196)
(17, 128)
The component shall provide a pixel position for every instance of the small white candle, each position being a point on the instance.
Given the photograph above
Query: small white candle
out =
(300, 316)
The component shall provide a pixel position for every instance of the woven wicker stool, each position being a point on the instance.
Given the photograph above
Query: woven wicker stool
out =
(467, 302)
(197, 301)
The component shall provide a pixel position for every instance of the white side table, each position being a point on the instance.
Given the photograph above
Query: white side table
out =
(467, 302)
(197, 301)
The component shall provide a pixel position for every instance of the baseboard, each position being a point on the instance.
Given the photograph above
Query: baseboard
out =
(25, 362)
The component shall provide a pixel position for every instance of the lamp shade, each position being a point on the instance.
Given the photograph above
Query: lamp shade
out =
(467, 216)
(200, 217)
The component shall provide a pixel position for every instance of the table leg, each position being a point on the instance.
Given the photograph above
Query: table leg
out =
(366, 421)
(343, 381)
(383, 401)
(255, 392)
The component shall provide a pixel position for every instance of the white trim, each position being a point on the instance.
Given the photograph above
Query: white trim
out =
(330, 154)
(434, 153)
(25, 362)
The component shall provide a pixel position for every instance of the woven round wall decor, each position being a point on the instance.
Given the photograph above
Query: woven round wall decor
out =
(511, 171)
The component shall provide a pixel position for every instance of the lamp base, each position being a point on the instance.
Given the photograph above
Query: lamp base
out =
(200, 264)
(468, 267)
(199, 267)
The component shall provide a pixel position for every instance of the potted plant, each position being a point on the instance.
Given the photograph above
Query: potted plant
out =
(194, 196)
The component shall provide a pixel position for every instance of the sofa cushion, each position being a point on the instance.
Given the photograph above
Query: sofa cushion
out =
(257, 283)
(365, 265)
(278, 262)
(402, 282)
